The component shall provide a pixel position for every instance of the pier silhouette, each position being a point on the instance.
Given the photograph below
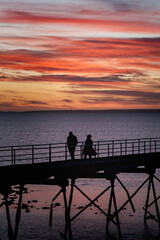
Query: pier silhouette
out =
(51, 164)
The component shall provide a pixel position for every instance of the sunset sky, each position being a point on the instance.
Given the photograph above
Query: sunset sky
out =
(79, 54)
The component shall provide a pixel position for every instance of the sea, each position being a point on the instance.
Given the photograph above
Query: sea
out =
(46, 127)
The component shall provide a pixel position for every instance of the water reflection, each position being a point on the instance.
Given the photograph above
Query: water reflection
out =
(12, 195)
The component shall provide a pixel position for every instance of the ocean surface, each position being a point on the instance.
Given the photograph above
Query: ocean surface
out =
(53, 127)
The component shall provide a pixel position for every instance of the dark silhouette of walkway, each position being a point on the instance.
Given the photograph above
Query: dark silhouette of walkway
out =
(52, 165)
(37, 163)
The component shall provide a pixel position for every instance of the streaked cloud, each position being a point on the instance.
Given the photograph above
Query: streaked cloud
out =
(105, 22)
(79, 55)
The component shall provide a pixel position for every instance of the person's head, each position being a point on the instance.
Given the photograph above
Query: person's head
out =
(89, 136)
(70, 133)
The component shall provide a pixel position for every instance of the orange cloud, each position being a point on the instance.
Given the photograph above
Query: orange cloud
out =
(119, 68)
(88, 56)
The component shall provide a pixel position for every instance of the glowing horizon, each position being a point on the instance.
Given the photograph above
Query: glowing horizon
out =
(60, 55)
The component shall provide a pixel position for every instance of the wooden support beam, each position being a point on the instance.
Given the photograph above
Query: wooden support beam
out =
(51, 207)
(115, 214)
(147, 205)
(18, 213)
(10, 230)
(156, 204)
(147, 199)
(131, 196)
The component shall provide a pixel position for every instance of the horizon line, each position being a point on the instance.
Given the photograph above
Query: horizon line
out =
(81, 110)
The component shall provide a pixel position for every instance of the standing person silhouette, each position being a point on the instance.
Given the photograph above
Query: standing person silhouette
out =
(88, 148)
(72, 142)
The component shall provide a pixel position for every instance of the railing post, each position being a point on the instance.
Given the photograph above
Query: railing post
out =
(81, 151)
(98, 149)
(132, 147)
(108, 149)
(12, 156)
(112, 148)
(121, 148)
(144, 147)
(150, 145)
(155, 146)
(65, 151)
(139, 148)
(125, 147)
(32, 154)
(95, 147)
(50, 153)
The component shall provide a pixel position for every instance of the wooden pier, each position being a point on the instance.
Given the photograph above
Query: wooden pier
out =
(29, 163)
(51, 164)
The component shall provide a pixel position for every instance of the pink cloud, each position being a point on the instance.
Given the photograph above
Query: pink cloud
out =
(98, 23)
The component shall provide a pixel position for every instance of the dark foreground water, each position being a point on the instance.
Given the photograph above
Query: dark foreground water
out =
(52, 127)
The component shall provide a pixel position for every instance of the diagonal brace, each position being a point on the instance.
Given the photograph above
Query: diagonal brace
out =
(150, 214)
(91, 202)
(153, 201)
(131, 197)
(156, 178)
(156, 197)
(51, 207)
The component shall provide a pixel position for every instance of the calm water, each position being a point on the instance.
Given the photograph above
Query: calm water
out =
(52, 127)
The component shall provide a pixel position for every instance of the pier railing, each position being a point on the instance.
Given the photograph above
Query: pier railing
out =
(30, 154)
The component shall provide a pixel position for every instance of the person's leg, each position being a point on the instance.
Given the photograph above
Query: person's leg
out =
(70, 151)
(72, 154)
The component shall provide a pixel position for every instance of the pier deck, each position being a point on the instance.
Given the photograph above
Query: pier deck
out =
(38, 163)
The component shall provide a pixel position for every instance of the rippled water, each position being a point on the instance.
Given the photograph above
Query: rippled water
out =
(52, 127)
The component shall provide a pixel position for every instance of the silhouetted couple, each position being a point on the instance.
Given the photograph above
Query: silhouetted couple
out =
(88, 147)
